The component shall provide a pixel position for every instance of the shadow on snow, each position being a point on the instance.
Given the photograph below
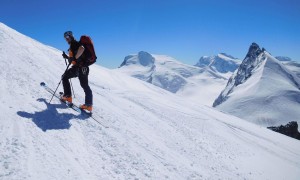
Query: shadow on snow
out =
(50, 118)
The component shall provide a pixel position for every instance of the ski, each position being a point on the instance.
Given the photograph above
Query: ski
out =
(73, 106)
(70, 105)
(90, 114)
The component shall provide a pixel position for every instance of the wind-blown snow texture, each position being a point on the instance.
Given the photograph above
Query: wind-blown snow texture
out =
(198, 84)
(262, 91)
(153, 134)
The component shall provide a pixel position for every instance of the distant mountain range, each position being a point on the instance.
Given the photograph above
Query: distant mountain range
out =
(283, 58)
(261, 88)
(202, 82)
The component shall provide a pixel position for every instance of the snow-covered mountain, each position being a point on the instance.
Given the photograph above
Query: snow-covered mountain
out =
(293, 66)
(222, 63)
(283, 58)
(195, 83)
(153, 133)
(262, 91)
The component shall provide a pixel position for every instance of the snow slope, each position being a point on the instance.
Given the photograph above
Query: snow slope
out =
(262, 91)
(153, 134)
(201, 85)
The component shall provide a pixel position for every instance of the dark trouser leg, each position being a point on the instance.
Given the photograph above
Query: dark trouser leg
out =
(84, 82)
(67, 88)
(71, 73)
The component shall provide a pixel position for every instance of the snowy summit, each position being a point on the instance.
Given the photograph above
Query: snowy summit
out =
(222, 63)
(262, 91)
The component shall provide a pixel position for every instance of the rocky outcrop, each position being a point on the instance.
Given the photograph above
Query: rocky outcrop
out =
(291, 129)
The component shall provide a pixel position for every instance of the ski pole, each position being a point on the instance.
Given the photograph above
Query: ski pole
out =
(58, 84)
(70, 81)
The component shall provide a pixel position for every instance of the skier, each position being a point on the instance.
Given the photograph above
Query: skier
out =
(78, 58)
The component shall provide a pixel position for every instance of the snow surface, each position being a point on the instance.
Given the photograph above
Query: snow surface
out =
(153, 133)
(201, 85)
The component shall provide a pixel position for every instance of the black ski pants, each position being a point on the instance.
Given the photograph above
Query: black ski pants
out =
(82, 73)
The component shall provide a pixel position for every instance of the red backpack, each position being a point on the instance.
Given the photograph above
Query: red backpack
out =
(87, 43)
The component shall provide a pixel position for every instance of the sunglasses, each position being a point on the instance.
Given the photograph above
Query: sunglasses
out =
(67, 37)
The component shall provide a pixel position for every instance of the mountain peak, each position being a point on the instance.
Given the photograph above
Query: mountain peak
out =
(261, 84)
(253, 51)
(222, 63)
(143, 58)
(251, 62)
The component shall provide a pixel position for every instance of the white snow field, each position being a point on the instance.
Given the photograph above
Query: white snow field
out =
(153, 133)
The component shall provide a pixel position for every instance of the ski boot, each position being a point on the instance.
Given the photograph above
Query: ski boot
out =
(67, 99)
(86, 107)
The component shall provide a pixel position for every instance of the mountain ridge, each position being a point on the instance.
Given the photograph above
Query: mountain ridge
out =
(261, 85)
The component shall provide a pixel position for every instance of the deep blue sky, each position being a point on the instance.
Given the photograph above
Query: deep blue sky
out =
(185, 29)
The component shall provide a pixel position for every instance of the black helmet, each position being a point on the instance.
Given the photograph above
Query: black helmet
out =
(68, 33)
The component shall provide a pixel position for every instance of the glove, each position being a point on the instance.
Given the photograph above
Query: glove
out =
(73, 62)
(64, 55)
(71, 59)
